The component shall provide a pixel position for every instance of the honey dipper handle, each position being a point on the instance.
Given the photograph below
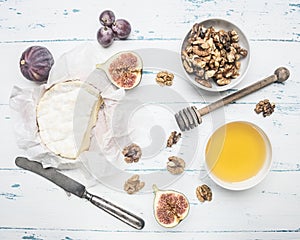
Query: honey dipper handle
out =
(281, 74)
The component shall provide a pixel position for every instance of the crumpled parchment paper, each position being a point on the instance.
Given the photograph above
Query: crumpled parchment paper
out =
(78, 63)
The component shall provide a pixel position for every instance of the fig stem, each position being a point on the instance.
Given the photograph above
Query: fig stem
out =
(100, 66)
(155, 188)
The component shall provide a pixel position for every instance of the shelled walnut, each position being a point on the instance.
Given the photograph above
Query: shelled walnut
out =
(133, 184)
(173, 138)
(265, 107)
(203, 81)
(212, 54)
(132, 153)
(175, 165)
(164, 78)
(204, 193)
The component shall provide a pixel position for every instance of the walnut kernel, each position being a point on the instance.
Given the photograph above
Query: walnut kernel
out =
(164, 78)
(223, 81)
(203, 82)
(175, 165)
(132, 153)
(265, 107)
(204, 193)
(173, 138)
(133, 184)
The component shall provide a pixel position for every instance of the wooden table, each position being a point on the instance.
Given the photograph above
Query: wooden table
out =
(33, 208)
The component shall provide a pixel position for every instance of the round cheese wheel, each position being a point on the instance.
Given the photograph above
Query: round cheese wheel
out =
(66, 114)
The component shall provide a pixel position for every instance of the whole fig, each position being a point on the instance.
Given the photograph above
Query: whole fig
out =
(105, 36)
(107, 18)
(121, 28)
(36, 63)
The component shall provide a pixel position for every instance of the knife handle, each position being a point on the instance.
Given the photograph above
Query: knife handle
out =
(116, 211)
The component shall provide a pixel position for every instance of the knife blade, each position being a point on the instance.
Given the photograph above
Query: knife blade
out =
(76, 188)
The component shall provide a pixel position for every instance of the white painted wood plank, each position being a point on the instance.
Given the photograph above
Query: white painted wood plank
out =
(277, 20)
(43, 206)
(259, 69)
(282, 131)
(34, 234)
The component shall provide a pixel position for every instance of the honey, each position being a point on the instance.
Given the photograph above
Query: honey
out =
(235, 152)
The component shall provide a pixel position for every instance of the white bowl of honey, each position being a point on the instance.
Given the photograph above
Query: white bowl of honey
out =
(238, 155)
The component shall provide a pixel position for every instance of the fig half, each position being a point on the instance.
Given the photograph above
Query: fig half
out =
(123, 69)
(170, 207)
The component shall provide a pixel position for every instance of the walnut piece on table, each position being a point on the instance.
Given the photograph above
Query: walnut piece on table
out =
(264, 107)
(164, 78)
(204, 193)
(132, 153)
(175, 165)
(133, 184)
(173, 138)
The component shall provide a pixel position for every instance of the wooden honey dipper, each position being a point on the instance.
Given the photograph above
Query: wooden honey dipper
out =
(191, 117)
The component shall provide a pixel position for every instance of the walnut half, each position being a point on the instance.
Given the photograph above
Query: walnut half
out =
(164, 78)
(204, 193)
(265, 107)
(175, 165)
(132, 153)
(133, 184)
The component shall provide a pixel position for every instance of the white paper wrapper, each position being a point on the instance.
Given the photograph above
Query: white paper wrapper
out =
(76, 64)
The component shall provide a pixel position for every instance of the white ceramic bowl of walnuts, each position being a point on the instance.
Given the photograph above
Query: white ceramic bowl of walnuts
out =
(215, 55)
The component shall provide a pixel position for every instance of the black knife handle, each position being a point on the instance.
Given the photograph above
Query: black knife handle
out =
(116, 211)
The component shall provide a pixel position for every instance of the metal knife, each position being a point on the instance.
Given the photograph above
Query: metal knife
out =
(79, 190)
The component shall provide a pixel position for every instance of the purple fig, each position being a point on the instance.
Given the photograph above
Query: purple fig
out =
(36, 63)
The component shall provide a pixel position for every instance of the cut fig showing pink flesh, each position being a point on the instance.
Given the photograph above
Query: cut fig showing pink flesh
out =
(170, 207)
(124, 69)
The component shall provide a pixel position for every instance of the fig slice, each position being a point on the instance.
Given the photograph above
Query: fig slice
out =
(170, 207)
(123, 69)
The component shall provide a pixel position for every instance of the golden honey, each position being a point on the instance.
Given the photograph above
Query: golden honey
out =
(235, 152)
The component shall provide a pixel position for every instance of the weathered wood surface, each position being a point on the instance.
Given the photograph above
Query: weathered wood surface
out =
(33, 208)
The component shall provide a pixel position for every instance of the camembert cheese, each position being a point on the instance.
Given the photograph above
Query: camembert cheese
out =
(66, 114)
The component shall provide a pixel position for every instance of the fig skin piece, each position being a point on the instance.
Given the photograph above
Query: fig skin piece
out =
(170, 207)
(36, 63)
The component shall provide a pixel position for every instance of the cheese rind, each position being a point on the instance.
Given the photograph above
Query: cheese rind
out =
(66, 115)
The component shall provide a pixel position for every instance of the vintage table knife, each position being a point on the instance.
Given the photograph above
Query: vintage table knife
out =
(79, 190)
